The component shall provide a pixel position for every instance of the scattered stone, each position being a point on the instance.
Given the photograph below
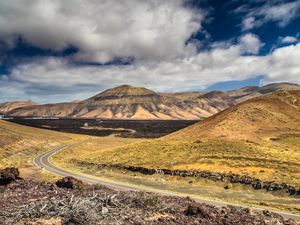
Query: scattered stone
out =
(197, 209)
(228, 186)
(71, 183)
(9, 175)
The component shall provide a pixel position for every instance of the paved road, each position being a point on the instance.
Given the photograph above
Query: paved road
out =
(43, 161)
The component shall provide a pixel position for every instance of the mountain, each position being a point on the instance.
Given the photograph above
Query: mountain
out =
(122, 102)
(48, 110)
(249, 92)
(255, 119)
(9, 106)
(259, 138)
(128, 102)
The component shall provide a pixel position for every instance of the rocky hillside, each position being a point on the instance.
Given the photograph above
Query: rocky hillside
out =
(49, 110)
(72, 202)
(128, 102)
(9, 106)
(264, 116)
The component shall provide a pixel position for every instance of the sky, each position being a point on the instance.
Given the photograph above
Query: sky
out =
(62, 50)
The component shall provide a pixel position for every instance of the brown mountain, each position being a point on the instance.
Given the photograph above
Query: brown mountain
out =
(246, 93)
(255, 119)
(128, 102)
(9, 106)
(48, 110)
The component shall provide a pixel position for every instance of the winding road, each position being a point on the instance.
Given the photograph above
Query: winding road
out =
(43, 161)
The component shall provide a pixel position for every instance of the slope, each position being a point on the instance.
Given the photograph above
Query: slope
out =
(128, 102)
(19, 143)
(259, 138)
(9, 106)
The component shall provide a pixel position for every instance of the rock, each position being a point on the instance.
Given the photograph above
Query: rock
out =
(257, 184)
(71, 183)
(197, 209)
(228, 186)
(9, 175)
(104, 210)
(290, 222)
(291, 190)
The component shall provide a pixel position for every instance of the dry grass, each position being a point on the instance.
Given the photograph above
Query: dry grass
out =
(91, 148)
(19, 144)
(264, 162)
(238, 140)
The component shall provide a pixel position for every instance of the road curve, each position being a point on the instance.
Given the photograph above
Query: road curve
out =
(43, 161)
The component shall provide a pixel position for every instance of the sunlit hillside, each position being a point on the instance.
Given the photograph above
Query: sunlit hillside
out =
(260, 138)
(18, 144)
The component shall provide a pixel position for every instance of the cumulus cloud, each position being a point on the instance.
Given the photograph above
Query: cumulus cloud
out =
(250, 43)
(103, 30)
(280, 13)
(60, 79)
(154, 33)
(288, 39)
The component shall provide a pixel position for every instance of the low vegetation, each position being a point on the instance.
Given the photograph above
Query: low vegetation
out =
(20, 144)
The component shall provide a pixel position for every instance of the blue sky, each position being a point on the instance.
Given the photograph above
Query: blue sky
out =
(53, 51)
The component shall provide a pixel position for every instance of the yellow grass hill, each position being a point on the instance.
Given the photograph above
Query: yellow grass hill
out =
(265, 116)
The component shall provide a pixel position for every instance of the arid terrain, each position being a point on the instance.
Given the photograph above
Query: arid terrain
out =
(72, 202)
(247, 154)
(255, 144)
(139, 103)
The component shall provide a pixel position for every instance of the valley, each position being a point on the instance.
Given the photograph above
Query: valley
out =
(247, 154)
(239, 142)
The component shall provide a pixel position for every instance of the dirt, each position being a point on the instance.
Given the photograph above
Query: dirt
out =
(28, 202)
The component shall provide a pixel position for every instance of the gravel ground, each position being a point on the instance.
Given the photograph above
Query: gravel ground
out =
(27, 202)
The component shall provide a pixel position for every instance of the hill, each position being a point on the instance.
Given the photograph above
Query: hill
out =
(18, 144)
(258, 138)
(257, 118)
(9, 106)
(249, 92)
(49, 110)
(128, 102)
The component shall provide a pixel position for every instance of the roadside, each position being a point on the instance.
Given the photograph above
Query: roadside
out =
(44, 161)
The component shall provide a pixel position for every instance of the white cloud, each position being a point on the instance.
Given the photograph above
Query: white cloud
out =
(56, 79)
(250, 43)
(288, 39)
(249, 23)
(151, 30)
(282, 14)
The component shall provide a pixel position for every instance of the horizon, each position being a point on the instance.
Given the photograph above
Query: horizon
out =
(56, 51)
(208, 90)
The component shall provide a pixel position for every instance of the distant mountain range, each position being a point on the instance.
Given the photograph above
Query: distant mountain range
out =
(128, 102)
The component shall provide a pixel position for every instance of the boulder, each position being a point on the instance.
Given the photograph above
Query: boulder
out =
(9, 175)
(71, 183)
(197, 210)
(257, 184)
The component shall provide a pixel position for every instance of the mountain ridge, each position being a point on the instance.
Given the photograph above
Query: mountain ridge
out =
(129, 102)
